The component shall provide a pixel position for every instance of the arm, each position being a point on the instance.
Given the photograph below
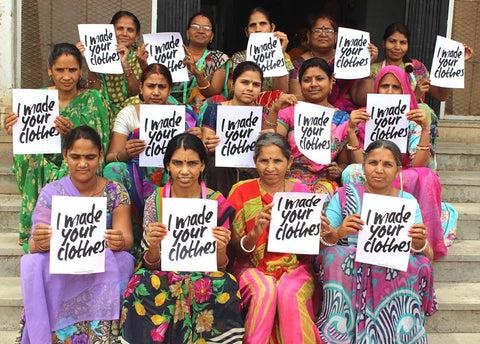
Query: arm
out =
(40, 239)
(133, 86)
(353, 145)
(422, 152)
(210, 139)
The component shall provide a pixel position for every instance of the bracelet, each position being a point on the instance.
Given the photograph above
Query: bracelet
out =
(92, 82)
(150, 263)
(270, 124)
(325, 243)
(424, 148)
(352, 148)
(224, 265)
(204, 87)
(420, 250)
(243, 247)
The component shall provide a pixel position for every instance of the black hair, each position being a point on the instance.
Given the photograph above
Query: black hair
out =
(157, 68)
(60, 49)
(202, 14)
(120, 14)
(246, 66)
(262, 11)
(315, 62)
(268, 139)
(185, 141)
(402, 29)
(391, 146)
(82, 132)
(312, 20)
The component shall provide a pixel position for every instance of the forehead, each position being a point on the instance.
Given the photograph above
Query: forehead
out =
(201, 20)
(257, 17)
(381, 154)
(66, 60)
(250, 75)
(270, 152)
(314, 71)
(390, 79)
(323, 22)
(125, 21)
(183, 154)
(156, 78)
(397, 35)
(83, 146)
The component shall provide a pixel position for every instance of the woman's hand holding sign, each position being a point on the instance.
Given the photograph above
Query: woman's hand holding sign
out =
(156, 232)
(350, 225)
(41, 238)
(63, 125)
(134, 147)
(9, 121)
(115, 239)
(419, 234)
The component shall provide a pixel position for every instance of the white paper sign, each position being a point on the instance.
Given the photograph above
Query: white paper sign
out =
(448, 65)
(34, 132)
(352, 58)
(167, 48)
(158, 124)
(296, 223)
(238, 128)
(100, 48)
(266, 50)
(388, 119)
(312, 132)
(189, 244)
(384, 239)
(78, 225)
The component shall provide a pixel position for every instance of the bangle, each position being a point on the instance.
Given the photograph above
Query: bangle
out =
(270, 124)
(224, 265)
(155, 263)
(352, 148)
(420, 250)
(325, 243)
(424, 148)
(92, 82)
(243, 247)
(204, 87)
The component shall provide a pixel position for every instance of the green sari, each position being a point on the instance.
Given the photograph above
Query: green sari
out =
(33, 171)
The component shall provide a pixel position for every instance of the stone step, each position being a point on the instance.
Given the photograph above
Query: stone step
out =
(458, 309)
(453, 156)
(6, 150)
(460, 186)
(462, 264)
(10, 303)
(468, 226)
(8, 184)
(9, 208)
(453, 338)
(459, 131)
(8, 337)
(10, 253)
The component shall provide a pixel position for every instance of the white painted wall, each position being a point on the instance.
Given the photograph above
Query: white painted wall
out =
(8, 65)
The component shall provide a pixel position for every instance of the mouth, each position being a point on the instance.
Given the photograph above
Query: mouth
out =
(156, 101)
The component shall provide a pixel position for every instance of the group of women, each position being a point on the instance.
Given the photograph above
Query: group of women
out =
(256, 296)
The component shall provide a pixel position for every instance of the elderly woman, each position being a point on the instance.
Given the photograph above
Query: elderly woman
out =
(363, 302)
(182, 307)
(274, 286)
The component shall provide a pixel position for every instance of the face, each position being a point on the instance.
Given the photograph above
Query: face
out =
(65, 73)
(185, 167)
(247, 87)
(272, 165)
(322, 36)
(259, 23)
(126, 31)
(155, 89)
(396, 46)
(200, 31)
(83, 160)
(389, 84)
(380, 169)
(315, 85)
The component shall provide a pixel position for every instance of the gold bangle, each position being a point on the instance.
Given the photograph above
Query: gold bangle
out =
(204, 87)
(116, 156)
(150, 263)
(424, 148)
(352, 148)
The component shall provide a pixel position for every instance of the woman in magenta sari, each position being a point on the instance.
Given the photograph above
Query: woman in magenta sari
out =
(63, 308)
(417, 179)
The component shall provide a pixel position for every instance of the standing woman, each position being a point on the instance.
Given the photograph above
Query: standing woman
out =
(207, 68)
(77, 107)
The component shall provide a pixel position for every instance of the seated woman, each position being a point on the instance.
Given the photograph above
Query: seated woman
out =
(363, 302)
(276, 288)
(77, 308)
(417, 179)
(182, 307)
(315, 78)
(77, 107)
(122, 156)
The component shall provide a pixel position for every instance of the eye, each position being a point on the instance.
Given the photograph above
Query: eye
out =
(176, 163)
(91, 157)
(257, 84)
(193, 163)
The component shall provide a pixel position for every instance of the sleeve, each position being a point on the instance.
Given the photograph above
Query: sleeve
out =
(125, 121)
(150, 210)
(418, 213)
(288, 62)
(43, 209)
(419, 70)
(285, 117)
(334, 212)
(210, 117)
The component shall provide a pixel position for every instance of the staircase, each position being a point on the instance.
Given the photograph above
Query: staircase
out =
(457, 277)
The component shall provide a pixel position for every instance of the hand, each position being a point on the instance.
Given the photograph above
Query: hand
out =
(334, 171)
(9, 121)
(356, 117)
(373, 50)
(115, 240)
(423, 86)
(41, 236)
(134, 147)
(197, 131)
(123, 51)
(222, 235)
(63, 125)
(350, 225)
(418, 233)
(155, 232)
(262, 220)
(211, 142)
(142, 56)
(418, 116)
(283, 39)
(189, 62)
(284, 101)
(468, 52)
(326, 228)
(80, 46)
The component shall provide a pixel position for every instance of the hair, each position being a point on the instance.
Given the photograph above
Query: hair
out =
(402, 29)
(392, 147)
(312, 20)
(185, 141)
(60, 49)
(262, 11)
(82, 132)
(268, 139)
(120, 14)
(315, 62)
(202, 14)
(246, 66)
(157, 68)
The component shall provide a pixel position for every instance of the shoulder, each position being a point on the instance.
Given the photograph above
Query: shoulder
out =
(243, 186)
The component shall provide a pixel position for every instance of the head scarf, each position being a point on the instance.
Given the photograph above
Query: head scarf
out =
(402, 77)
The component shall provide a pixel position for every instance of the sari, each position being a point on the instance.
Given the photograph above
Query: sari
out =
(364, 303)
(33, 171)
(311, 173)
(69, 308)
(182, 307)
(276, 288)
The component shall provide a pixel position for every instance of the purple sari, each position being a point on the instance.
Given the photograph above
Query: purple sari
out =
(55, 302)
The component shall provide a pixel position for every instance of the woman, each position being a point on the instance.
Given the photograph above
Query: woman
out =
(116, 88)
(182, 307)
(418, 179)
(259, 21)
(316, 83)
(77, 308)
(276, 288)
(322, 38)
(77, 107)
(363, 303)
(207, 68)
(125, 146)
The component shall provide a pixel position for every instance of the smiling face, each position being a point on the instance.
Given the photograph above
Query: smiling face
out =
(323, 35)
(389, 84)
(396, 46)
(315, 85)
(155, 89)
(126, 31)
(380, 170)
(185, 168)
(272, 165)
(247, 87)
(200, 31)
(65, 73)
(258, 22)
(83, 160)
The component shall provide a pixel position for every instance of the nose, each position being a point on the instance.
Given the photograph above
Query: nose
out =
(389, 90)
(156, 90)
(379, 168)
